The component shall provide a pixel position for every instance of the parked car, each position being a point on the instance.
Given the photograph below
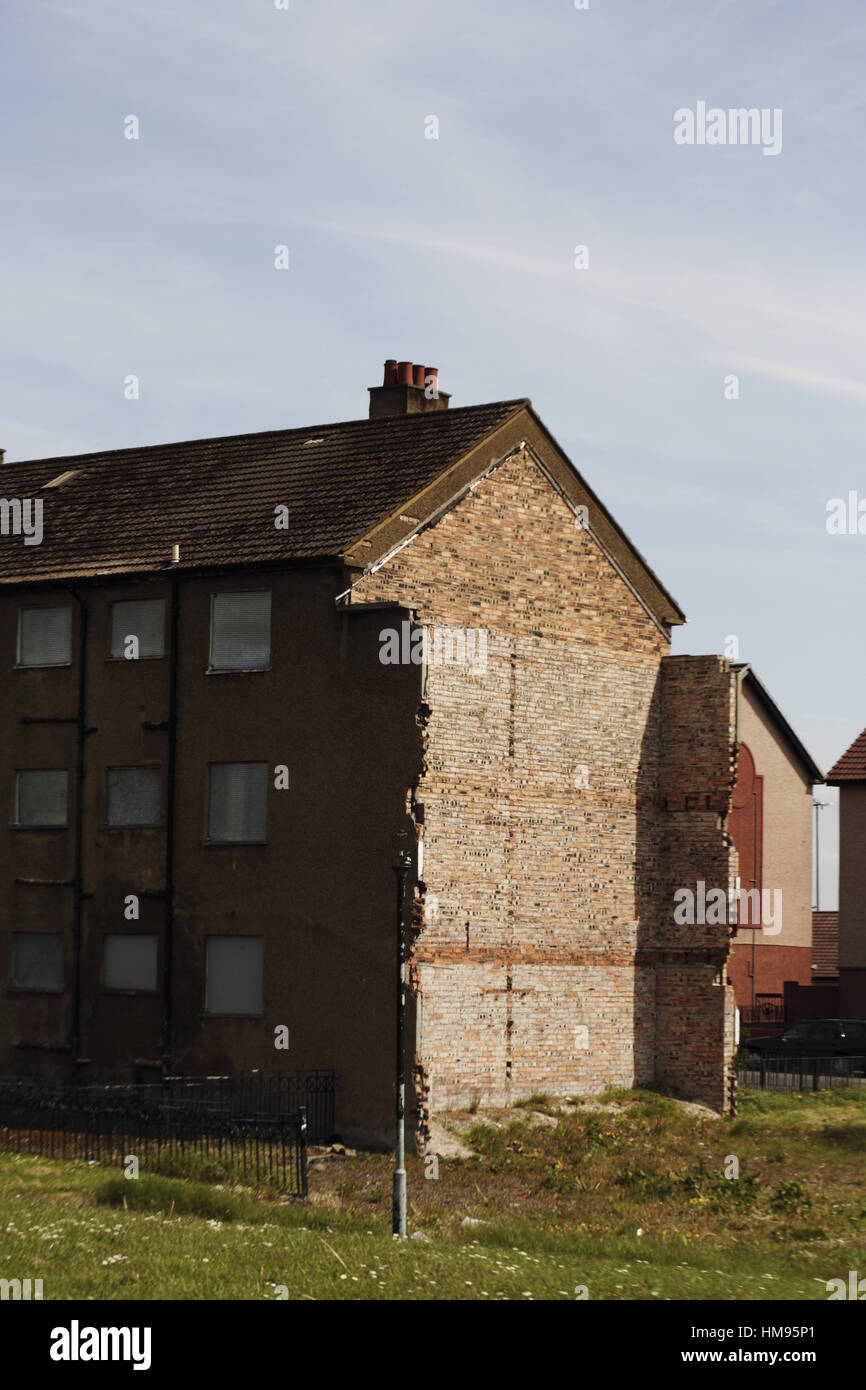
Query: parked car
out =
(816, 1037)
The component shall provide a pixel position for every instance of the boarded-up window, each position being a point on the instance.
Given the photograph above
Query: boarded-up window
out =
(237, 802)
(143, 619)
(234, 975)
(37, 960)
(134, 795)
(746, 828)
(240, 632)
(40, 797)
(130, 962)
(44, 636)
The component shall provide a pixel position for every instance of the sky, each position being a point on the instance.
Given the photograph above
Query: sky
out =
(309, 127)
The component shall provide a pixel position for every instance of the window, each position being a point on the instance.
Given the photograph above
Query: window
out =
(40, 798)
(143, 619)
(130, 962)
(240, 632)
(795, 1034)
(237, 802)
(234, 975)
(134, 795)
(44, 636)
(37, 960)
(824, 1030)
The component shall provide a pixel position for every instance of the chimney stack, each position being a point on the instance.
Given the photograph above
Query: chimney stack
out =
(407, 389)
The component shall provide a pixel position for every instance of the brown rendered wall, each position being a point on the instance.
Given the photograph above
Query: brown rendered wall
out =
(320, 892)
(787, 861)
(540, 896)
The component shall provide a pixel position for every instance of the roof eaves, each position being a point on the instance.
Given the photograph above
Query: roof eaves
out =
(746, 672)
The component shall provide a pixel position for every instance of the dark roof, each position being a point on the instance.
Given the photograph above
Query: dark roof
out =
(851, 767)
(122, 511)
(778, 718)
(825, 943)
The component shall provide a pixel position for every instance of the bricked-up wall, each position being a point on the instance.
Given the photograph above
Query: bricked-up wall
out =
(541, 897)
(694, 1003)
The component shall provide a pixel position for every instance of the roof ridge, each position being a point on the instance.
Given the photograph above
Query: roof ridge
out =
(855, 758)
(107, 454)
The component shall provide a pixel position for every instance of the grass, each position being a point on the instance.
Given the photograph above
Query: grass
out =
(628, 1202)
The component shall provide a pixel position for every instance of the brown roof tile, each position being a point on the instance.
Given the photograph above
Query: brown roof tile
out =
(851, 767)
(825, 943)
(122, 511)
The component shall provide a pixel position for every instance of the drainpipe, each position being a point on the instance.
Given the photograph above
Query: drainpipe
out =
(78, 873)
(171, 778)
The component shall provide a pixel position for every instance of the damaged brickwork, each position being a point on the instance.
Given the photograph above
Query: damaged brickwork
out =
(564, 789)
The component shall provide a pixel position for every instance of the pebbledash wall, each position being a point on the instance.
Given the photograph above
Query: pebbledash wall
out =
(568, 788)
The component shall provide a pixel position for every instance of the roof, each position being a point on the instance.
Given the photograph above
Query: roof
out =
(825, 944)
(123, 510)
(851, 767)
(348, 488)
(772, 709)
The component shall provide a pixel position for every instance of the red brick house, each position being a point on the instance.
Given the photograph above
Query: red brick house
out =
(220, 724)
(849, 775)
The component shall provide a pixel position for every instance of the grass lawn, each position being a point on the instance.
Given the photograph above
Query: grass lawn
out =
(625, 1197)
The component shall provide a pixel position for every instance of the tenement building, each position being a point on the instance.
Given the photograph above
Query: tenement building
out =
(241, 673)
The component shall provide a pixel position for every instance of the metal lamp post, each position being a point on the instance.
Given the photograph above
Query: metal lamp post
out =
(402, 866)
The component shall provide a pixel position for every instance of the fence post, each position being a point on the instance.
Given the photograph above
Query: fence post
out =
(763, 1061)
(815, 1075)
(302, 1141)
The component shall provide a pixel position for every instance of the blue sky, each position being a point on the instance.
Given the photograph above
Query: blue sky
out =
(306, 127)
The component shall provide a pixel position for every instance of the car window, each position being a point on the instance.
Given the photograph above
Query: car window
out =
(854, 1032)
(822, 1030)
(794, 1034)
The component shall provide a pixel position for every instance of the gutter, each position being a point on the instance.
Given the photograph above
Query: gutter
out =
(78, 872)
(167, 1038)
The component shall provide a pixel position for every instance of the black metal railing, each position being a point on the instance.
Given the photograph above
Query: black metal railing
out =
(769, 1012)
(261, 1095)
(787, 1073)
(254, 1127)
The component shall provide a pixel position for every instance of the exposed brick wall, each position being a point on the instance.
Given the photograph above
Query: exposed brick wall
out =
(694, 1003)
(541, 904)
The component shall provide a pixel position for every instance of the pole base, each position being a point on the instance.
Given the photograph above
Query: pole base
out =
(398, 1221)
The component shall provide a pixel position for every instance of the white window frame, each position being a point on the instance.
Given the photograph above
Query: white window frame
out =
(238, 1013)
(130, 936)
(236, 762)
(156, 656)
(139, 824)
(18, 823)
(42, 665)
(38, 989)
(239, 670)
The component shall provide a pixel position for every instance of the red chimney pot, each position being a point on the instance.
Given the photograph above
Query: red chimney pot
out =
(404, 373)
(390, 378)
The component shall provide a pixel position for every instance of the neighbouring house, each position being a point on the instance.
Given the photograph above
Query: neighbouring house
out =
(771, 826)
(825, 948)
(820, 999)
(849, 775)
(242, 672)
